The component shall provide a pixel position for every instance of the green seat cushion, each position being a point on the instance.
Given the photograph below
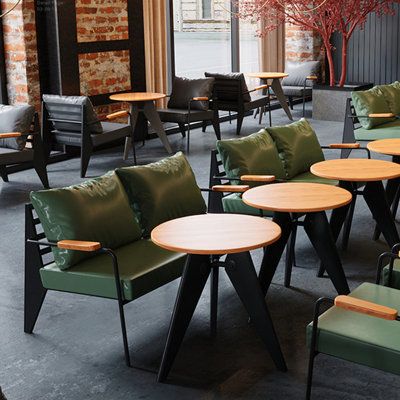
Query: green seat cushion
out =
(97, 210)
(390, 130)
(395, 283)
(370, 101)
(234, 204)
(298, 145)
(255, 154)
(392, 96)
(143, 267)
(162, 191)
(361, 338)
(311, 178)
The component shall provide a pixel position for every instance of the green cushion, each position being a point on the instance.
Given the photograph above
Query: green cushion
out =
(361, 338)
(162, 191)
(392, 96)
(143, 267)
(234, 204)
(96, 210)
(370, 101)
(390, 130)
(298, 145)
(311, 178)
(395, 283)
(255, 154)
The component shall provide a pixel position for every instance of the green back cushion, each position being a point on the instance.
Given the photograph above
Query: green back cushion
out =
(255, 154)
(392, 96)
(162, 191)
(370, 101)
(298, 145)
(96, 210)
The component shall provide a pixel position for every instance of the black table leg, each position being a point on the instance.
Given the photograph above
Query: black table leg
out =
(194, 278)
(318, 230)
(241, 272)
(375, 197)
(274, 252)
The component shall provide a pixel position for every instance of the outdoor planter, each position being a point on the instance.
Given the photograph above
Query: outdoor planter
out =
(329, 102)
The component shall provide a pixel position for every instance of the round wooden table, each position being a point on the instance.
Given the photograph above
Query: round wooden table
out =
(289, 201)
(275, 78)
(143, 102)
(204, 238)
(349, 171)
(389, 147)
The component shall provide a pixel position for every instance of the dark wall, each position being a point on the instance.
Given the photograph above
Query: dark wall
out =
(374, 52)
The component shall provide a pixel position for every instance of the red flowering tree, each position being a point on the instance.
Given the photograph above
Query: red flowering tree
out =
(322, 16)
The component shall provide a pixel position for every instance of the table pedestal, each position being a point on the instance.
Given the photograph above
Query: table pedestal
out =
(319, 232)
(241, 272)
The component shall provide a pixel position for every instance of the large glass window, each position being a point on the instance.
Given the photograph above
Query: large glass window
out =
(249, 46)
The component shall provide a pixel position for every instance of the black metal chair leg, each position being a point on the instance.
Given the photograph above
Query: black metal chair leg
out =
(241, 272)
(239, 122)
(214, 301)
(348, 223)
(86, 152)
(290, 256)
(204, 126)
(182, 129)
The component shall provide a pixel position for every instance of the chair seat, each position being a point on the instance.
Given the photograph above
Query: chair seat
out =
(143, 267)
(296, 91)
(395, 283)
(234, 204)
(390, 130)
(182, 115)
(361, 338)
(311, 178)
(10, 156)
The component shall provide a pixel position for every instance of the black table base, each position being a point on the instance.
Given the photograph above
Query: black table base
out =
(241, 272)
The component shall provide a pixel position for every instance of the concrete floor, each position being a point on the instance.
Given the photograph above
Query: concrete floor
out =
(76, 351)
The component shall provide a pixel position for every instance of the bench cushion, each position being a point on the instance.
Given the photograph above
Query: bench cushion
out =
(370, 101)
(390, 130)
(96, 210)
(311, 178)
(395, 283)
(162, 191)
(298, 145)
(361, 338)
(392, 96)
(255, 154)
(234, 204)
(143, 267)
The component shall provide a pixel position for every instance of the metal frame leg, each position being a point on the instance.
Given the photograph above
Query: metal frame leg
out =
(214, 301)
(347, 224)
(241, 272)
(290, 255)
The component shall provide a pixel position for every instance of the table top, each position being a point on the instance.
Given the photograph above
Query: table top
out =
(356, 169)
(297, 197)
(137, 96)
(390, 147)
(215, 234)
(267, 75)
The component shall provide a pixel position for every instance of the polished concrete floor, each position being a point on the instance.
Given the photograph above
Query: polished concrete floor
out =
(76, 350)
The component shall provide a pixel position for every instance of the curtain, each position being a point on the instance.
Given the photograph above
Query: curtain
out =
(155, 32)
(272, 50)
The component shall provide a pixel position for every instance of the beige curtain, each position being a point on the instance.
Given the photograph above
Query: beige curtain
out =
(155, 37)
(272, 50)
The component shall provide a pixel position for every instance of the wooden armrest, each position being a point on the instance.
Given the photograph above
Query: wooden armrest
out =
(257, 178)
(10, 135)
(365, 307)
(312, 78)
(344, 145)
(261, 87)
(230, 188)
(117, 114)
(381, 115)
(78, 245)
(200, 99)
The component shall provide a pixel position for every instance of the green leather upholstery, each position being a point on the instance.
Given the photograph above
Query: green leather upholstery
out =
(311, 178)
(143, 267)
(395, 283)
(361, 338)
(370, 101)
(234, 204)
(390, 130)
(162, 191)
(96, 210)
(392, 96)
(298, 145)
(255, 154)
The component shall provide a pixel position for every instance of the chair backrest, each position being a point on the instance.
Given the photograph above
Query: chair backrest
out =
(229, 87)
(298, 72)
(216, 173)
(351, 123)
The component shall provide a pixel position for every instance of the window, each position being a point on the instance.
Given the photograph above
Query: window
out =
(206, 4)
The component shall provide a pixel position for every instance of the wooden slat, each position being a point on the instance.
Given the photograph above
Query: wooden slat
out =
(78, 245)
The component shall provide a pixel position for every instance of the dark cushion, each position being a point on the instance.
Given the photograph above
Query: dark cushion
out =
(229, 95)
(58, 111)
(184, 89)
(370, 101)
(296, 91)
(392, 96)
(15, 119)
(162, 191)
(255, 154)
(298, 145)
(299, 71)
(182, 115)
(96, 210)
